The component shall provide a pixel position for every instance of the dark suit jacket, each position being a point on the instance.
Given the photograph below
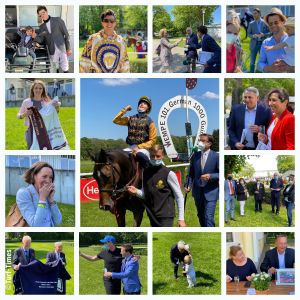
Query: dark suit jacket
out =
(290, 194)
(51, 258)
(59, 35)
(210, 45)
(19, 257)
(237, 122)
(260, 190)
(276, 185)
(192, 42)
(271, 259)
(211, 187)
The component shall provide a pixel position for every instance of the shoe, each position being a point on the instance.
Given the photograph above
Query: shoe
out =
(273, 212)
(260, 211)
(175, 276)
(256, 211)
(226, 222)
(233, 219)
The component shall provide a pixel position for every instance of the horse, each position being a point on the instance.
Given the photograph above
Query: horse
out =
(114, 171)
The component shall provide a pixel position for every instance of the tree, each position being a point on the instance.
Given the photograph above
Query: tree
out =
(135, 17)
(234, 163)
(161, 19)
(247, 171)
(285, 163)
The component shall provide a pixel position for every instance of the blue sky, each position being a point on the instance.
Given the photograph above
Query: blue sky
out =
(216, 14)
(102, 99)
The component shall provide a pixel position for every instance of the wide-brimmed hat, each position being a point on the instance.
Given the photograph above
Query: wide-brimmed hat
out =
(290, 21)
(147, 100)
(275, 11)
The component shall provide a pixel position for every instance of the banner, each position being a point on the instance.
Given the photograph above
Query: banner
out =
(89, 191)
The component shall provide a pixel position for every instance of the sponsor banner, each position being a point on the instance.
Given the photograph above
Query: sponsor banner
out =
(89, 190)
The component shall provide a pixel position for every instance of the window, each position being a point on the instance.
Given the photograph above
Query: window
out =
(10, 16)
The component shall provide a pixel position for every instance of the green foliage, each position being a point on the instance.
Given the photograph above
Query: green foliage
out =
(206, 253)
(285, 163)
(90, 273)
(271, 237)
(40, 236)
(261, 281)
(67, 211)
(41, 250)
(138, 66)
(234, 163)
(247, 170)
(135, 17)
(161, 19)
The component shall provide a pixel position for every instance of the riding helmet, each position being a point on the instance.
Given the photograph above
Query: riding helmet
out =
(147, 100)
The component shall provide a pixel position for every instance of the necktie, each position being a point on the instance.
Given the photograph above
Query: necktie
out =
(203, 160)
(231, 187)
(26, 255)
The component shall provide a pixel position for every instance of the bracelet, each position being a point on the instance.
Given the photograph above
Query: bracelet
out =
(42, 205)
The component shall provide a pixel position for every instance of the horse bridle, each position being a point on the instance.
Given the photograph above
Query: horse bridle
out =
(114, 191)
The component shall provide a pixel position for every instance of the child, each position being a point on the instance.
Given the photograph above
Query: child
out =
(189, 270)
(289, 43)
(141, 129)
(27, 40)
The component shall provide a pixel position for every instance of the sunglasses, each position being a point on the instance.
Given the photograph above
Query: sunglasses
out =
(109, 21)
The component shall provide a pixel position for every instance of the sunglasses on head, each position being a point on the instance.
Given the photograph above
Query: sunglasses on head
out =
(109, 21)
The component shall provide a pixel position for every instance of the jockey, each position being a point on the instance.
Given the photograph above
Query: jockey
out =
(141, 129)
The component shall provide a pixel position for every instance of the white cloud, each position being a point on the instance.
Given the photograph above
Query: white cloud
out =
(210, 96)
(119, 81)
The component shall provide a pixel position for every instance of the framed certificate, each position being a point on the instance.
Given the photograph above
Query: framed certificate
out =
(285, 277)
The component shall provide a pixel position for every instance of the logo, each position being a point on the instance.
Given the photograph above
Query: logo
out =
(89, 190)
(160, 184)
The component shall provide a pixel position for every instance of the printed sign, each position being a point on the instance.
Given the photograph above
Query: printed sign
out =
(89, 190)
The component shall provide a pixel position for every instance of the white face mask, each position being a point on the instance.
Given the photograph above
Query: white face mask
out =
(156, 163)
(231, 38)
(201, 146)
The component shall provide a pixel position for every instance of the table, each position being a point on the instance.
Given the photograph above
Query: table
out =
(274, 289)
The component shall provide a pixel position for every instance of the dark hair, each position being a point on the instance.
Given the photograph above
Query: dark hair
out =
(202, 29)
(234, 250)
(241, 179)
(35, 169)
(28, 28)
(209, 137)
(127, 247)
(282, 95)
(41, 7)
(257, 10)
(107, 12)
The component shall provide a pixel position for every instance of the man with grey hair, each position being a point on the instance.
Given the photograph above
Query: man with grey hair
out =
(191, 50)
(177, 254)
(246, 120)
(276, 185)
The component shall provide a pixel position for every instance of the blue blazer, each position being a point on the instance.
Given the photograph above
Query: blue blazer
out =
(129, 275)
(210, 45)
(192, 42)
(227, 190)
(51, 258)
(252, 29)
(237, 122)
(276, 185)
(211, 187)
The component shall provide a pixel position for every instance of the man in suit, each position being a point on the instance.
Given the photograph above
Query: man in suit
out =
(257, 30)
(280, 257)
(22, 256)
(53, 32)
(129, 272)
(259, 194)
(230, 196)
(245, 119)
(191, 49)
(276, 185)
(208, 44)
(203, 178)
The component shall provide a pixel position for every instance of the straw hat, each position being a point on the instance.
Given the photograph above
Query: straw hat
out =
(275, 11)
(290, 21)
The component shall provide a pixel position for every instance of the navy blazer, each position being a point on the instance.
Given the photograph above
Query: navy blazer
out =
(51, 258)
(211, 187)
(208, 44)
(276, 185)
(237, 122)
(271, 259)
(19, 257)
(192, 42)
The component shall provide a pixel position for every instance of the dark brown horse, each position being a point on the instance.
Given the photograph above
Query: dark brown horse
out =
(114, 171)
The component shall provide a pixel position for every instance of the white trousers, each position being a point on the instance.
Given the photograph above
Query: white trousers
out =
(242, 207)
(60, 59)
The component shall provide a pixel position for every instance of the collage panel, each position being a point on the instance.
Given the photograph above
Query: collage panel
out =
(259, 114)
(260, 39)
(260, 263)
(186, 264)
(39, 263)
(41, 112)
(259, 190)
(119, 162)
(122, 259)
(40, 191)
(179, 31)
(39, 39)
(116, 41)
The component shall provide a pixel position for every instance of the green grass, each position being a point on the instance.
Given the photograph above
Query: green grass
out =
(90, 273)
(41, 250)
(15, 129)
(264, 219)
(68, 211)
(92, 216)
(246, 54)
(206, 253)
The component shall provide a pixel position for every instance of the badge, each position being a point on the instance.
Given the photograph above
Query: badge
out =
(160, 184)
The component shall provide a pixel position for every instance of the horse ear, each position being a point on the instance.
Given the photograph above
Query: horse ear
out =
(103, 155)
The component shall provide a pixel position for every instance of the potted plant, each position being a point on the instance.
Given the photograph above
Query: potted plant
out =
(261, 282)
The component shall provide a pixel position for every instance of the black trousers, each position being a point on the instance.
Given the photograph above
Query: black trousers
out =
(112, 286)
(164, 222)
(258, 202)
(275, 201)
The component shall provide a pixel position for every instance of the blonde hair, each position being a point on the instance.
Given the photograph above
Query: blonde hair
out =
(162, 32)
(44, 93)
(156, 148)
(234, 250)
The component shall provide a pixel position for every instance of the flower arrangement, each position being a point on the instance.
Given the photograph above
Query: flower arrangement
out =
(261, 281)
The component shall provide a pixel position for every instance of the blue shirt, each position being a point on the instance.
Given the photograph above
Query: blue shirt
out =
(37, 216)
(250, 116)
(281, 260)
(267, 58)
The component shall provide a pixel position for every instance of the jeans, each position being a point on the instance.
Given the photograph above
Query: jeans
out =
(230, 205)
(253, 54)
(289, 210)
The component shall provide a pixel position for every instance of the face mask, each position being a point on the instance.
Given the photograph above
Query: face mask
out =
(229, 177)
(201, 146)
(155, 163)
(140, 110)
(231, 38)
(276, 177)
(105, 247)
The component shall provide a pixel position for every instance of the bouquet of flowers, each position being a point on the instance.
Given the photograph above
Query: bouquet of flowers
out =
(261, 281)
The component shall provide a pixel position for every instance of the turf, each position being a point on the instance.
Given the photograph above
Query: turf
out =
(206, 253)
(68, 211)
(90, 273)
(15, 129)
(41, 250)
(264, 219)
